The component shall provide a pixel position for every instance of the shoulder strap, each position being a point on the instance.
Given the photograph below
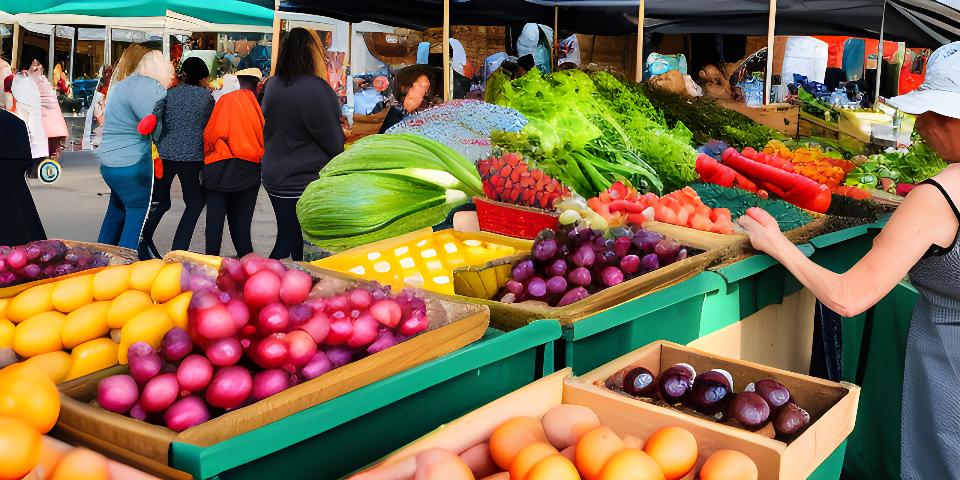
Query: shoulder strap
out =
(946, 195)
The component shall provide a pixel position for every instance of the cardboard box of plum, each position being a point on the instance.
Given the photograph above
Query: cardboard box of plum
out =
(787, 422)
(97, 415)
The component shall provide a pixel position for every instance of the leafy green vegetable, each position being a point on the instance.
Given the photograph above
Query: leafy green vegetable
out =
(813, 106)
(914, 165)
(738, 201)
(383, 186)
(708, 120)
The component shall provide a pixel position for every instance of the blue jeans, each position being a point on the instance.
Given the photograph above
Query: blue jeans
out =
(129, 201)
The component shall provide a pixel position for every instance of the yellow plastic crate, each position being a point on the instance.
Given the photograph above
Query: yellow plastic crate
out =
(423, 259)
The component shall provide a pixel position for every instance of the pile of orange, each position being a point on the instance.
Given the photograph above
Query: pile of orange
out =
(569, 443)
(29, 407)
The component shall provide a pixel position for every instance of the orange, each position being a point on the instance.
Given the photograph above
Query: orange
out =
(729, 465)
(594, 449)
(54, 365)
(565, 424)
(528, 457)
(6, 333)
(631, 464)
(50, 455)
(19, 448)
(674, 449)
(111, 281)
(82, 464)
(127, 305)
(438, 464)
(511, 436)
(554, 467)
(28, 394)
(30, 302)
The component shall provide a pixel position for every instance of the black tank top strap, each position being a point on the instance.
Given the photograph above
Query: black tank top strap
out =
(953, 206)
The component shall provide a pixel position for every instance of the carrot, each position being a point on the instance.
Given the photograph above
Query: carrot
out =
(852, 192)
(700, 222)
(636, 218)
(683, 217)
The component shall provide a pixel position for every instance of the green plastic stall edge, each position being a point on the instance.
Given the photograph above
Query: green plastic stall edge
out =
(832, 467)
(701, 284)
(207, 462)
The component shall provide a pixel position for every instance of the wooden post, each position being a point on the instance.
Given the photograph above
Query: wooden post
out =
(446, 50)
(883, 21)
(15, 55)
(638, 70)
(349, 59)
(771, 34)
(556, 37)
(277, 34)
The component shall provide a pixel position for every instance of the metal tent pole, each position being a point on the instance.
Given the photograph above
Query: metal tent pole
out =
(107, 46)
(446, 50)
(556, 37)
(15, 55)
(641, 15)
(771, 35)
(51, 51)
(73, 50)
(883, 21)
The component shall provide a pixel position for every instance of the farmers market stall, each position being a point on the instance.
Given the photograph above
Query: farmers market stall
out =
(604, 247)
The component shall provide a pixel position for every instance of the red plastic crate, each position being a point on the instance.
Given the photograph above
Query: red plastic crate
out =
(513, 220)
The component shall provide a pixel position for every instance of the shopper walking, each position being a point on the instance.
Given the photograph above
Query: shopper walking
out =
(54, 125)
(186, 110)
(124, 153)
(920, 240)
(21, 222)
(301, 134)
(233, 147)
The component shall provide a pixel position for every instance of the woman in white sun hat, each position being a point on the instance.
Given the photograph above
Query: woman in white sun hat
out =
(920, 240)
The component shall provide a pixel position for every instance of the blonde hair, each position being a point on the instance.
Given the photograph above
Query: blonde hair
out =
(129, 61)
(319, 54)
(153, 65)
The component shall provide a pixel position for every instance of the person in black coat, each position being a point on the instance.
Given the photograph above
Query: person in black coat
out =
(301, 134)
(19, 220)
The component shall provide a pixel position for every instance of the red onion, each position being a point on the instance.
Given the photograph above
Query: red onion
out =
(261, 289)
(364, 331)
(273, 318)
(118, 393)
(185, 413)
(239, 313)
(270, 382)
(271, 352)
(229, 388)
(301, 347)
(295, 285)
(215, 322)
(145, 363)
(194, 374)
(318, 365)
(176, 344)
(318, 326)
(159, 393)
(224, 352)
(387, 312)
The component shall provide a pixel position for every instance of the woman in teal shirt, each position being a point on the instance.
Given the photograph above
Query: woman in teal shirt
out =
(124, 153)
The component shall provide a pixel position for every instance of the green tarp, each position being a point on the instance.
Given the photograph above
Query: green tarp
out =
(227, 12)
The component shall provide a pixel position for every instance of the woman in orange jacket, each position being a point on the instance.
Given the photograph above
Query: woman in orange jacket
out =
(233, 147)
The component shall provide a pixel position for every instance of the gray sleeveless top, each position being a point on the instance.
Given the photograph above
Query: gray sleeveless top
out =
(930, 419)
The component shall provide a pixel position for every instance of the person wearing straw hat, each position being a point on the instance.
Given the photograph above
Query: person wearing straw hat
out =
(921, 240)
(233, 148)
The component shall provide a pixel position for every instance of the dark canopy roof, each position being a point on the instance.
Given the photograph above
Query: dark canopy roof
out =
(920, 23)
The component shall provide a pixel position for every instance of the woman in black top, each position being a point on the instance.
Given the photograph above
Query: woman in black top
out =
(186, 110)
(18, 217)
(301, 134)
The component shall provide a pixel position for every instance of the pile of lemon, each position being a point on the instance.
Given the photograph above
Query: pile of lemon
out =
(85, 323)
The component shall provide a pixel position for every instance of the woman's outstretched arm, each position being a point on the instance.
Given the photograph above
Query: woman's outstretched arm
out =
(924, 219)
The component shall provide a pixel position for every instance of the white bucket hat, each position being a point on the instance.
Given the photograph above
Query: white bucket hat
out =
(940, 91)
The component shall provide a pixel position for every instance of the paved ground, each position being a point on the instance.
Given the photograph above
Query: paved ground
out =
(73, 208)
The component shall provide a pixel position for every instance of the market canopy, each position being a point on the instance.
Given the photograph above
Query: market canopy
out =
(205, 15)
(920, 23)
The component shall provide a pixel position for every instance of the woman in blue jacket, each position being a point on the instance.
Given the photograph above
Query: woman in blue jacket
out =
(124, 153)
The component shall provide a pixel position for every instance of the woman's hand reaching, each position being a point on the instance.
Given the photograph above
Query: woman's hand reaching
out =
(763, 229)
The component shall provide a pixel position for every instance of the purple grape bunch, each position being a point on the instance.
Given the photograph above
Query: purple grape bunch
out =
(567, 266)
(45, 259)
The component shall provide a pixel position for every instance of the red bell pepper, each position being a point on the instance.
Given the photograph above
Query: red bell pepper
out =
(796, 189)
(712, 171)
